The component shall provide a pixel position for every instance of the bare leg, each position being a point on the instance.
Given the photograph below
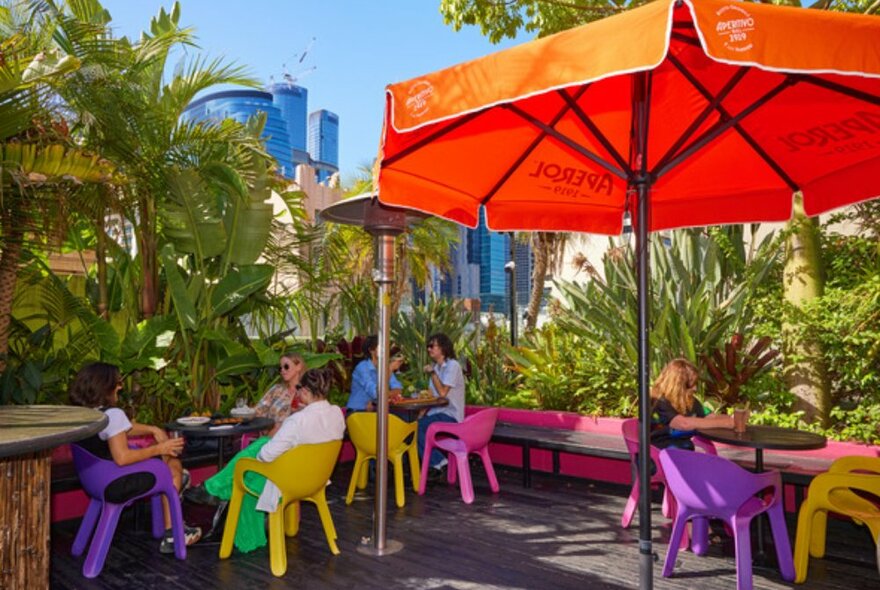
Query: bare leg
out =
(176, 476)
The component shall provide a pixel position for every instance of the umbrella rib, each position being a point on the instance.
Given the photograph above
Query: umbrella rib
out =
(723, 126)
(714, 104)
(429, 138)
(834, 86)
(594, 129)
(509, 172)
(566, 140)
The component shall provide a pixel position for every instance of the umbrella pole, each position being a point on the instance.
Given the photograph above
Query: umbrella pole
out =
(646, 553)
(641, 98)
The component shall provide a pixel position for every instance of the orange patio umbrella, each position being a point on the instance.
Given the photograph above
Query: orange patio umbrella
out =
(680, 113)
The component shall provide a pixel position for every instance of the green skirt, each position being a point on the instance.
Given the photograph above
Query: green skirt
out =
(251, 531)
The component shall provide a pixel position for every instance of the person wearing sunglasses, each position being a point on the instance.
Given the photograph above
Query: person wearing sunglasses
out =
(365, 379)
(445, 379)
(317, 422)
(281, 399)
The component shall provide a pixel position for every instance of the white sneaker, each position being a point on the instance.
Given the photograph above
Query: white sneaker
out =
(441, 464)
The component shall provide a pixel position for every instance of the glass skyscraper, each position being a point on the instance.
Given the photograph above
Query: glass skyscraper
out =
(324, 143)
(287, 125)
(478, 268)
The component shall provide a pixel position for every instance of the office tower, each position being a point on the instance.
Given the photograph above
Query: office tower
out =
(240, 105)
(324, 143)
(287, 124)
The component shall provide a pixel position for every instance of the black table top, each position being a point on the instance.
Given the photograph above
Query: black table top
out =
(766, 437)
(208, 431)
(419, 403)
(28, 429)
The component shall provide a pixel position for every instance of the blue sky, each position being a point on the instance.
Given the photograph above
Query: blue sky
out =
(360, 46)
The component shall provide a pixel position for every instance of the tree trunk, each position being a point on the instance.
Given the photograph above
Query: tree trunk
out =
(12, 235)
(541, 244)
(147, 243)
(101, 261)
(805, 371)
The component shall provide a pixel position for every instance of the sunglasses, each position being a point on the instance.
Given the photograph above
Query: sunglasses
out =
(432, 345)
(285, 367)
(300, 386)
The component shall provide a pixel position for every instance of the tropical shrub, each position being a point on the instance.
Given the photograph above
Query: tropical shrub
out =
(492, 380)
(410, 331)
(560, 370)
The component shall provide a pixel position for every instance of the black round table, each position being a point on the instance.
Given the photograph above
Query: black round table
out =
(411, 405)
(761, 437)
(221, 432)
(27, 436)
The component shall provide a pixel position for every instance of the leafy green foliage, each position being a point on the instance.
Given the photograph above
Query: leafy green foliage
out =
(560, 370)
(498, 20)
(410, 331)
(492, 379)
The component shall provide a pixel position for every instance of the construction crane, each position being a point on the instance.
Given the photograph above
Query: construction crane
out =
(298, 74)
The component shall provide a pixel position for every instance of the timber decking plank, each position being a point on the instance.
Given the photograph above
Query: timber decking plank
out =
(561, 533)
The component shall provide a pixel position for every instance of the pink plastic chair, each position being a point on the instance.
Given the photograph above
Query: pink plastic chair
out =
(630, 430)
(459, 440)
(707, 486)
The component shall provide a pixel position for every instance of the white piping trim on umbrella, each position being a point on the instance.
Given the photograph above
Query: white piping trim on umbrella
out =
(764, 67)
(644, 68)
(631, 71)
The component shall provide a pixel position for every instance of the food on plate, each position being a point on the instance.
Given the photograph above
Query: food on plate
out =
(224, 421)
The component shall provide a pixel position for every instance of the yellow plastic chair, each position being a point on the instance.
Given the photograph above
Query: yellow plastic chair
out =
(301, 474)
(402, 439)
(835, 491)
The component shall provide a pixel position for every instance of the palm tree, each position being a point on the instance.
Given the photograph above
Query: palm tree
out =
(39, 164)
(548, 249)
(173, 169)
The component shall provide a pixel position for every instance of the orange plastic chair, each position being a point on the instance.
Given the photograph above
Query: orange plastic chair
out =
(847, 489)
(402, 440)
(301, 474)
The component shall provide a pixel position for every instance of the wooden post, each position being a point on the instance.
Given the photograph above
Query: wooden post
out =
(24, 521)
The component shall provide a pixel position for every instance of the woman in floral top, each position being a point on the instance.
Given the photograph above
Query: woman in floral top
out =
(278, 402)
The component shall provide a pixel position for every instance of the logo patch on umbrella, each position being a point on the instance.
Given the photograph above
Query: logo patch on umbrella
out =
(734, 26)
(569, 181)
(419, 94)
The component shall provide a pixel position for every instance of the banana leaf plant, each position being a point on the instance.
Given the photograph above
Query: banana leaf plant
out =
(731, 368)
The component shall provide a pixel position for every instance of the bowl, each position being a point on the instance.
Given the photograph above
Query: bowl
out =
(242, 412)
(193, 420)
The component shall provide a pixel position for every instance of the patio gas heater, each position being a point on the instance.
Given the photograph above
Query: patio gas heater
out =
(383, 223)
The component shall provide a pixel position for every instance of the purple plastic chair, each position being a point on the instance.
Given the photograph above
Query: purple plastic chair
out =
(97, 477)
(630, 429)
(707, 486)
(460, 440)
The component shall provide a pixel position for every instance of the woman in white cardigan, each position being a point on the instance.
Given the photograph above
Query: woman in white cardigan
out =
(317, 422)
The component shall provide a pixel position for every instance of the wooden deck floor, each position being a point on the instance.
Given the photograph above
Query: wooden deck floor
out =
(562, 533)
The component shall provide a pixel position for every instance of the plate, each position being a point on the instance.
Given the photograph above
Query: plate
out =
(193, 420)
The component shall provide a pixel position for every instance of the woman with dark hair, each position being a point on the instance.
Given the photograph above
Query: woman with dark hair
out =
(445, 379)
(317, 422)
(97, 386)
(365, 378)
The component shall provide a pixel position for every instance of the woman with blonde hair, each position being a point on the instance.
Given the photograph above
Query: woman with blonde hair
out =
(676, 413)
